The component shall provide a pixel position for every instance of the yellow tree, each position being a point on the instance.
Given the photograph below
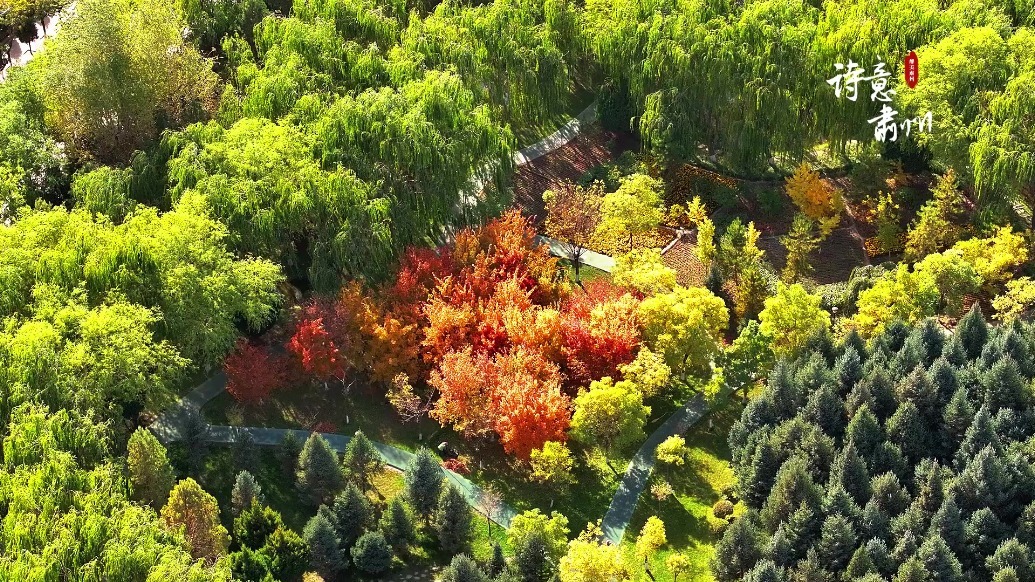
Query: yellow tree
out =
(677, 564)
(816, 198)
(194, 513)
(635, 208)
(650, 540)
(791, 317)
(552, 464)
(590, 560)
(643, 270)
(572, 216)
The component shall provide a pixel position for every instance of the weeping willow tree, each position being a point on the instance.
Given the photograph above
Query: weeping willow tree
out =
(66, 512)
(517, 56)
(748, 81)
(1003, 155)
(978, 84)
(176, 265)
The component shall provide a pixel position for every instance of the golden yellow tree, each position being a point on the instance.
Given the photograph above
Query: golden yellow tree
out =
(816, 198)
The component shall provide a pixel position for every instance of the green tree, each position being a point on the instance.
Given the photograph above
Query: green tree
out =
(423, 483)
(65, 454)
(372, 554)
(319, 472)
(532, 560)
(122, 44)
(737, 551)
(463, 569)
(361, 460)
(837, 542)
(255, 525)
(453, 521)
(497, 564)
(325, 555)
(351, 514)
(246, 490)
(150, 474)
(800, 242)
(397, 525)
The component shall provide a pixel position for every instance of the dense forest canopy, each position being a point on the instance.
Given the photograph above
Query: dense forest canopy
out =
(166, 167)
(911, 454)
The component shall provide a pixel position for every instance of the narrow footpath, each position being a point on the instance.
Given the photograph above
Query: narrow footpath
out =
(171, 427)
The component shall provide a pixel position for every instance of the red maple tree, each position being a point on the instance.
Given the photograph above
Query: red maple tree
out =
(317, 351)
(600, 332)
(253, 373)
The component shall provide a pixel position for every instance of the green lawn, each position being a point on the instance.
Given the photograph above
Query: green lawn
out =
(307, 406)
(586, 273)
(698, 485)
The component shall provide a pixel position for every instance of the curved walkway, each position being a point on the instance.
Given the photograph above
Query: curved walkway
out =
(623, 504)
(170, 427)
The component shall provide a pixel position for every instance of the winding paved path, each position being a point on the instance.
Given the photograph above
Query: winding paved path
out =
(170, 425)
(623, 504)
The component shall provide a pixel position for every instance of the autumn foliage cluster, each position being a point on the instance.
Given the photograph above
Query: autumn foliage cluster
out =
(485, 328)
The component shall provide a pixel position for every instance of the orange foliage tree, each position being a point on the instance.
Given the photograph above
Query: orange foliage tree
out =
(482, 331)
(516, 394)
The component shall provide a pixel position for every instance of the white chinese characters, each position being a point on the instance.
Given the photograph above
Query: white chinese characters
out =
(885, 125)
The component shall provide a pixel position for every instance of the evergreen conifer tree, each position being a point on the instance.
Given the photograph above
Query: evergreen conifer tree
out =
(423, 484)
(939, 561)
(532, 558)
(957, 418)
(463, 569)
(973, 332)
(150, 474)
(497, 563)
(246, 490)
(361, 460)
(371, 553)
(319, 473)
(351, 515)
(738, 551)
(453, 521)
(836, 543)
(764, 571)
(255, 525)
(860, 565)
(979, 435)
(397, 525)
(325, 556)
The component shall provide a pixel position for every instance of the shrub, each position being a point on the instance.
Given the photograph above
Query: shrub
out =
(723, 508)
